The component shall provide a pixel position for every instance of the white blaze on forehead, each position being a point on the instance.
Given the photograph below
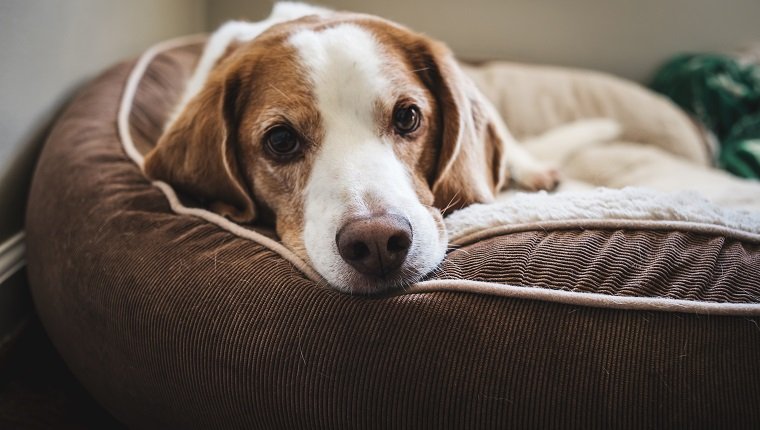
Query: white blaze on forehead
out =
(345, 66)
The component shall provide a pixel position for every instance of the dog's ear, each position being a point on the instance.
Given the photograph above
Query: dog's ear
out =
(471, 166)
(197, 153)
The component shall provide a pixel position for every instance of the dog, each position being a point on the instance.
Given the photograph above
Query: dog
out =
(352, 134)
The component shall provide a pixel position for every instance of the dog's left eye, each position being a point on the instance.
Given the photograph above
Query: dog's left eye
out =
(406, 119)
(282, 141)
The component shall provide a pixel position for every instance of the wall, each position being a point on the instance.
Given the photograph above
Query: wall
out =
(628, 38)
(48, 48)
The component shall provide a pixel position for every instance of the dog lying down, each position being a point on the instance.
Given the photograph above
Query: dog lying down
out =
(348, 132)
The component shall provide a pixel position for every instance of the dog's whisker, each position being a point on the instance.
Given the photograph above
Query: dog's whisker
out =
(435, 273)
(281, 92)
(454, 200)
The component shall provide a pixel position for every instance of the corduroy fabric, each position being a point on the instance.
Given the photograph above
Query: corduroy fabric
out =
(171, 322)
(671, 264)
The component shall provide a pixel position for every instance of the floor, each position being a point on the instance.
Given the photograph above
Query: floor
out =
(37, 391)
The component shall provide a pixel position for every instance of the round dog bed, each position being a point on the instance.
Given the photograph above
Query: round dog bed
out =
(173, 319)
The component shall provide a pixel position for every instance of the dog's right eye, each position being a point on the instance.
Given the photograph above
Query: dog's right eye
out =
(406, 119)
(282, 142)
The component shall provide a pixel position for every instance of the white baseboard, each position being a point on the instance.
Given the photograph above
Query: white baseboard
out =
(12, 256)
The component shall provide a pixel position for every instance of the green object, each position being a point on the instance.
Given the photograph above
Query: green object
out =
(724, 95)
(740, 152)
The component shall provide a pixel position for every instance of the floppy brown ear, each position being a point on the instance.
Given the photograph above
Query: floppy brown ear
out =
(471, 166)
(197, 153)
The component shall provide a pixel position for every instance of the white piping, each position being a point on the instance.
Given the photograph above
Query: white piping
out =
(130, 90)
(444, 285)
(12, 256)
(595, 300)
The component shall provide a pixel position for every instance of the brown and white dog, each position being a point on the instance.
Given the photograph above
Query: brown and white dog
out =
(351, 133)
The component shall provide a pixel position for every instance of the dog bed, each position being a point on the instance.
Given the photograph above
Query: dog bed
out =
(583, 312)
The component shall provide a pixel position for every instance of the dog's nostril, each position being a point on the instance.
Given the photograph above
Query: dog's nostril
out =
(398, 243)
(359, 250)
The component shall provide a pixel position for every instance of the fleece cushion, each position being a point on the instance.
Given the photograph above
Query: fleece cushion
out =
(173, 322)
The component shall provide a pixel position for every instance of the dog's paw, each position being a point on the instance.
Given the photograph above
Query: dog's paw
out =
(537, 177)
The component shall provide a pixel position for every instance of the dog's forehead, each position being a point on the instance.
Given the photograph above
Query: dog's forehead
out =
(345, 64)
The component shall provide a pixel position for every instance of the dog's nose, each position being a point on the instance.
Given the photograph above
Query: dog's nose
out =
(375, 246)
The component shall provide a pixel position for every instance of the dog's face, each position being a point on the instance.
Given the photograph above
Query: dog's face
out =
(351, 133)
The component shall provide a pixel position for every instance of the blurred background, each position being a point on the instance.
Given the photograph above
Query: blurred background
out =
(49, 48)
(627, 38)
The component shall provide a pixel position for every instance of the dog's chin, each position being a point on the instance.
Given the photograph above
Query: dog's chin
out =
(350, 281)
(346, 279)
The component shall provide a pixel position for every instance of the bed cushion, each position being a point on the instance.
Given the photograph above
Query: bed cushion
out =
(172, 321)
(533, 99)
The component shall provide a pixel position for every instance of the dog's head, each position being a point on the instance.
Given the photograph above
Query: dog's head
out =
(352, 133)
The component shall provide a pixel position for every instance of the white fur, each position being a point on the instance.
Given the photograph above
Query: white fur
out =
(355, 163)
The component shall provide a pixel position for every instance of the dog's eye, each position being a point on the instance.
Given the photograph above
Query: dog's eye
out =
(282, 141)
(406, 119)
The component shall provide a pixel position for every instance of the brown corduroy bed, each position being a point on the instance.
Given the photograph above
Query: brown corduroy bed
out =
(173, 322)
